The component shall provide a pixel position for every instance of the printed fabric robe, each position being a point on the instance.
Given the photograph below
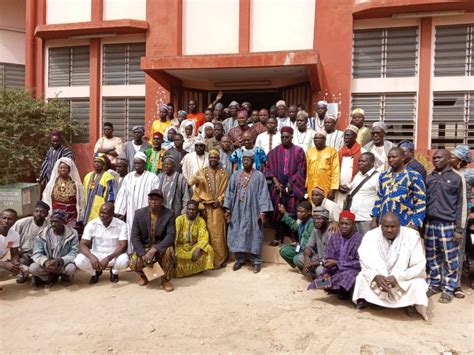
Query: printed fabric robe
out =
(96, 194)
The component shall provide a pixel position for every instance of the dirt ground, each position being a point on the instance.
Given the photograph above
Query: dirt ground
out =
(219, 312)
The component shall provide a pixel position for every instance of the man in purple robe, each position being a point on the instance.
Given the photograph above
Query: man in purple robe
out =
(286, 170)
(341, 260)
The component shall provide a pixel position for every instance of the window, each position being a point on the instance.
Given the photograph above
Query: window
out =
(79, 110)
(385, 53)
(398, 111)
(453, 119)
(124, 113)
(121, 64)
(454, 50)
(68, 66)
(12, 76)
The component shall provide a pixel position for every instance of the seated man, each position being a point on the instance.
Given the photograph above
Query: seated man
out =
(9, 242)
(341, 261)
(153, 235)
(393, 268)
(316, 246)
(194, 254)
(54, 252)
(28, 228)
(294, 253)
(103, 244)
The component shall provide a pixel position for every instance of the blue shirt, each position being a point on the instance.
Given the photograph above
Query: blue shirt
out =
(259, 155)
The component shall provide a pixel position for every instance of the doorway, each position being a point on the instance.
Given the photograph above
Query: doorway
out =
(258, 99)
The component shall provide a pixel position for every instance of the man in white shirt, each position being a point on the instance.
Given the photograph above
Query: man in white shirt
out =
(103, 245)
(9, 241)
(108, 144)
(269, 139)
(283, 119)
(335, 138)
(362, 200)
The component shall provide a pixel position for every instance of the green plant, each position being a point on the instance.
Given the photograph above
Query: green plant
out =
(25, 126)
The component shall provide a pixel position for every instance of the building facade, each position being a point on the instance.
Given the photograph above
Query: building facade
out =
(409, 63)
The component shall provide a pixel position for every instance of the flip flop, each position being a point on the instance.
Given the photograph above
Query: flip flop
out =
(445, 298)
(459, 293)
(432, 291)
(411, 312)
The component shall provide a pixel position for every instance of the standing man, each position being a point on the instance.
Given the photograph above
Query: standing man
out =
(379, 145)
(444, 226)
(154, 154)
(282, 117)
(210, 185)
(225, 153)
(108, 144)
(236, 133)
(177, 151)
(292, 112)
(103, 245)
(137, 145)
(9, 241)
(323, 166)
(121, 171)
(193, 114)
(246, 201)
(57, 151)
(153, 237)
(409, 159)
(28, 229)
(269, 139)
(133, 193)
(358, 120)
(303, 136)
(54, 252)
(231, 122)
(195, 161)
(215, 142)
(335, 138)
(401, 191)
(260, 126)
(317, 122)
(286, 169)
(162, 123)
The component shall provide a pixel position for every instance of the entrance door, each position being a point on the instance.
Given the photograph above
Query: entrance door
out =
(257, 98)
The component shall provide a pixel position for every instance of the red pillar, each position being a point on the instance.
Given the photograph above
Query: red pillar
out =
(39, 68)
(30, 24)
(244, 26)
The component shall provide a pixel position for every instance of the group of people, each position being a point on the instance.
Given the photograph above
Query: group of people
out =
(347, 207)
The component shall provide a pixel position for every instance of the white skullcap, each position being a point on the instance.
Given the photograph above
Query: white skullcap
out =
(140, 155)
(280, 103)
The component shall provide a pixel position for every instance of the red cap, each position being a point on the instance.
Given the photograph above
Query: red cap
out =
(348, 215)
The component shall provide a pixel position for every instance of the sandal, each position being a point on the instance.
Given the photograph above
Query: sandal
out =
(459, 293)
(411, 311)
(445, 298)
(432, 291)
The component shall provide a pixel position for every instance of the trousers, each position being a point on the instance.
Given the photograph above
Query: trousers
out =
(41, 272)
(120, 263)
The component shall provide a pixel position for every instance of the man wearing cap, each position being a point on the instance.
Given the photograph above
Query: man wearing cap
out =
(293, 253)
(210, 185)
(286, 170)
(162, 123)
(154, 154)
(177, 151)
(317, 243)
(323, 166)
(108, 144)
(215, 141)
(341, 260)
(379, 146)
(358, 120)
(153, 237)
(55, 152)
(9, 242)
(318, 199)
(132, 147)
(103, 245)
(99, 187)
(393, 269)
(303, 135)
(317, 122)
(231, 122)
(236, 133)
(175, 188)
(246, 202)
(269, 139)
(195, 161)
(54, 252)
(409, 159)
(282, 117)
(28, 229)
(335, 138)
(133, 193)
(195, 115)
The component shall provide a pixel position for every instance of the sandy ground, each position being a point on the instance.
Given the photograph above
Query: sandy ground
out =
(219, 312)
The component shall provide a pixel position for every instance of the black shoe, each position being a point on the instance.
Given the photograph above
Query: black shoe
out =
(343, 295)
(113, 277)
(237, 266)
(361, 304)
(36, 281)
(22, 278)
(66, 280)
(94, 279)
(257, 268)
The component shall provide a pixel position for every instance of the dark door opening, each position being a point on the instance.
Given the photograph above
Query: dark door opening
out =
(258, 99)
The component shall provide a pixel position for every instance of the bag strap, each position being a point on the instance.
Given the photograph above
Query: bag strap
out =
(367, 178)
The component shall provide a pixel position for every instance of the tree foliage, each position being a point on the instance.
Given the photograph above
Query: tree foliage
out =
(25, 126)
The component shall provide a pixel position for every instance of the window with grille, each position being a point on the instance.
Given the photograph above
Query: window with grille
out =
(124, 113)
(121, 64)
(454, 50)
(12, 76)
(453, 119)
(398, 111)
(68, 66)
(79, 110)
(385, 53)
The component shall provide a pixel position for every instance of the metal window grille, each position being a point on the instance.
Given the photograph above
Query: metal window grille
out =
(385, 53)
(79, 110)
(121, 64)
(124, 113)
(454, 50)
(12, 76)
(453, 119)
(398, 111)
(68, 66)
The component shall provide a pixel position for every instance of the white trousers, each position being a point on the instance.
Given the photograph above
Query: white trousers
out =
(120, 263)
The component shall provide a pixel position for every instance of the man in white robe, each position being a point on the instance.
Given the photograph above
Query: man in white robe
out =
(133, 193)
(393, 269)
(195, 161)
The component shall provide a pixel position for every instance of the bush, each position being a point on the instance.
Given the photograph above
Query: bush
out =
(25, 126)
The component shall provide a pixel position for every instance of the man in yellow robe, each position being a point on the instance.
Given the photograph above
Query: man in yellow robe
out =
(209, 190)
(322, 166)
(192, 249)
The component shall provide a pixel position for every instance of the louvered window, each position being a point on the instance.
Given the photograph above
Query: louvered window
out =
(79, 110)
(385, 53)
(454, 50)
(12, 76)
(453, 119)
(68, 66)
(121, 64)
(398, 111)
(124, 113)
